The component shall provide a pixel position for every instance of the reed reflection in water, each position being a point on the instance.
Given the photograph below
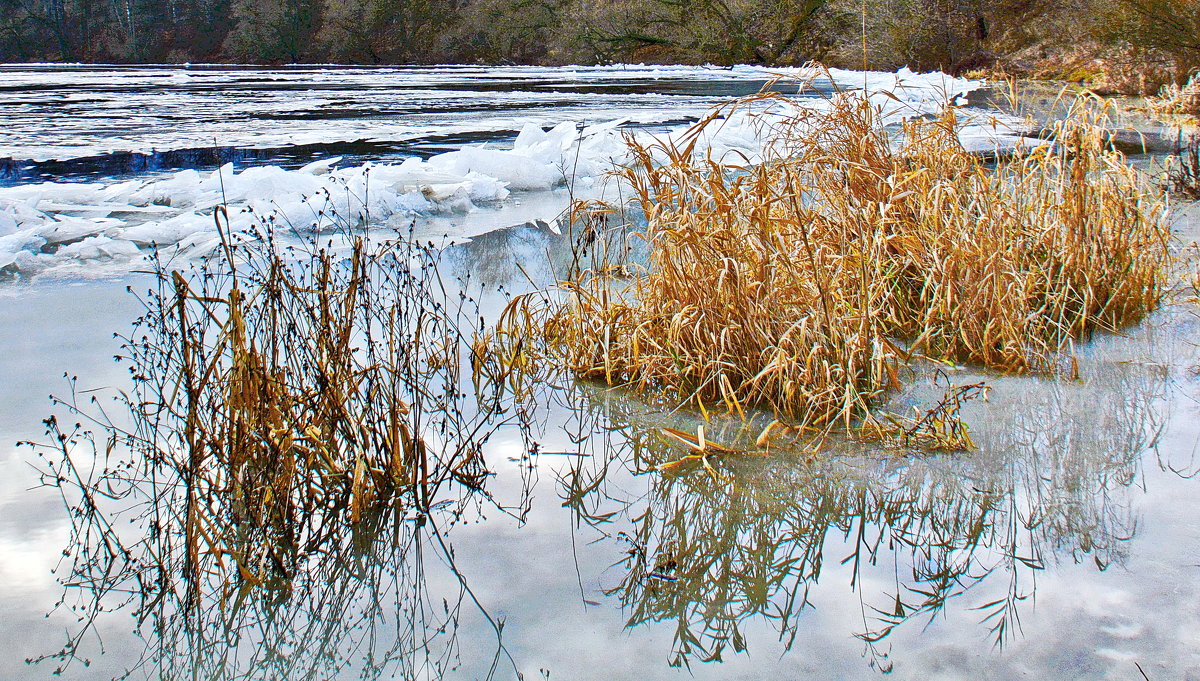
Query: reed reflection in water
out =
(303, 425)
(716, 550)
(349, 567)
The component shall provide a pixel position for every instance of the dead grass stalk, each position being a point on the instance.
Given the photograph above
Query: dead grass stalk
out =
(801, 284)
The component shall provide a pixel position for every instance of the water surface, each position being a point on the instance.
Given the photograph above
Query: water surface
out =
(1065, 547)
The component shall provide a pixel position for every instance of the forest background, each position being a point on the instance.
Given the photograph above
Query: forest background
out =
(1114, 45)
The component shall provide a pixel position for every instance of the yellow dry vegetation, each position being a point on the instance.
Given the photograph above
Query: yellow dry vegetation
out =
(1177, 99)
(803, 283)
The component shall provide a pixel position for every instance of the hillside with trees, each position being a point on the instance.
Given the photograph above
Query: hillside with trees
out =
(1123, 45)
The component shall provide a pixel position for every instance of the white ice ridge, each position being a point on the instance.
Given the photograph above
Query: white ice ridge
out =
(63, 226)
(101, 228)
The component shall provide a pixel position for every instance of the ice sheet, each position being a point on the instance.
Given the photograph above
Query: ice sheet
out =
(65, 112)
(100, 227)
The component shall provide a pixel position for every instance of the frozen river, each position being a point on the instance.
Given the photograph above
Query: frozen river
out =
(95, 118)
(1073, 524)
(103, 166)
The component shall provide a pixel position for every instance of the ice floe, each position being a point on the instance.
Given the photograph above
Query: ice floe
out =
(102, 227)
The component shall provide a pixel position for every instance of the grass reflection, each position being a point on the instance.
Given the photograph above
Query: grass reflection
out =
(309, 416)
(716, 551)
(267, 499)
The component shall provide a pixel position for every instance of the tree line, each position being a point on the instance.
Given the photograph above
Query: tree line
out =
(923, 34)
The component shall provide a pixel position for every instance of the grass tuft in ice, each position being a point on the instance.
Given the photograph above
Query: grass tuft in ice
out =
(302, 405)
(803, 283)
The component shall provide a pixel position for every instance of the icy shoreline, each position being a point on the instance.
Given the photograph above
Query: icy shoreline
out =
(102, 228)
(66, 113)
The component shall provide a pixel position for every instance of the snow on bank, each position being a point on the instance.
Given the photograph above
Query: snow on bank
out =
(100, 228)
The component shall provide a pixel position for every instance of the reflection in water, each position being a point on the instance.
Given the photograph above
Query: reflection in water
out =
(365, 607)
(713, 550)
(303, 420)
(383, 599)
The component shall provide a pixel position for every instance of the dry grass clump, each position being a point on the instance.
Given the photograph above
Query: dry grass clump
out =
(283, 394)
(298, 400)
(1176, 99)
(276, 415)
(1003, 266)
(802, 283)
